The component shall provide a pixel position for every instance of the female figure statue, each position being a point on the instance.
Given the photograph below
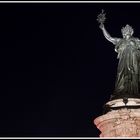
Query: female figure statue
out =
(128, 73)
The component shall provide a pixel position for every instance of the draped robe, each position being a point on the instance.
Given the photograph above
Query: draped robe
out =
(128, 72)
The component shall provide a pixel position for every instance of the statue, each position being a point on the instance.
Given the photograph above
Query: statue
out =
(127, 83)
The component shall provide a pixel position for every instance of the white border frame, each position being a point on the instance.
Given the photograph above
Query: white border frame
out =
(69, 2)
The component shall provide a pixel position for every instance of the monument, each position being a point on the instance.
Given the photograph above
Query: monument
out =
(121, 116)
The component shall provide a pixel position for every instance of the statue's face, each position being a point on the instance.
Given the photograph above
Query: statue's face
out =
(127, 35)
(127, 31)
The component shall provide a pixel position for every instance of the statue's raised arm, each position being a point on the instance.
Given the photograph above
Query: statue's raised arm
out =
(101, 19)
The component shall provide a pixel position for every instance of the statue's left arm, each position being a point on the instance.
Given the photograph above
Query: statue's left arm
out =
(137, 43)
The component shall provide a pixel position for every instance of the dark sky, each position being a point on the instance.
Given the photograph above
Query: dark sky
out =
(57, 69)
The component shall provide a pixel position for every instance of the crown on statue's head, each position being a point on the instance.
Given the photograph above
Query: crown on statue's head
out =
(127, 30)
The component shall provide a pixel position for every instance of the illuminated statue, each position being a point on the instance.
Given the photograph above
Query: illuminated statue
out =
(128, 73)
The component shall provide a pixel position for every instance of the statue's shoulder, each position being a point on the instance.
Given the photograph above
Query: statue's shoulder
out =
(118, 44)
(117, 40)
(136, 39)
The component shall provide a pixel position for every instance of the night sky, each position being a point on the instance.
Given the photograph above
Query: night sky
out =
(57, 69)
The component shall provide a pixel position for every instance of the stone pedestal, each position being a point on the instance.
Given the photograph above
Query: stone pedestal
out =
(119, 123)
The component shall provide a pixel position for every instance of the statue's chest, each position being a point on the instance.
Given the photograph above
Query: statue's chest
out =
(127, 47)
(129, 44)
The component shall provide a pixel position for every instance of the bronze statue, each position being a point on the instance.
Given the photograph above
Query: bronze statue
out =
(128, 73)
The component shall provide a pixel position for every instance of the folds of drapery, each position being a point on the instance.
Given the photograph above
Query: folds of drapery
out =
(128, 71)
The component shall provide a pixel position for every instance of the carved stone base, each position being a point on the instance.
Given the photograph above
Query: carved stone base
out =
(119, 123)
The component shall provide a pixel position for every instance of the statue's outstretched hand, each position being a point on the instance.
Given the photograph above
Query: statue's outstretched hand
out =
(101, 26)
(101, 19)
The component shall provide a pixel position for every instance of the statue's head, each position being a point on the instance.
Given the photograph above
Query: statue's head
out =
(127, 31)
